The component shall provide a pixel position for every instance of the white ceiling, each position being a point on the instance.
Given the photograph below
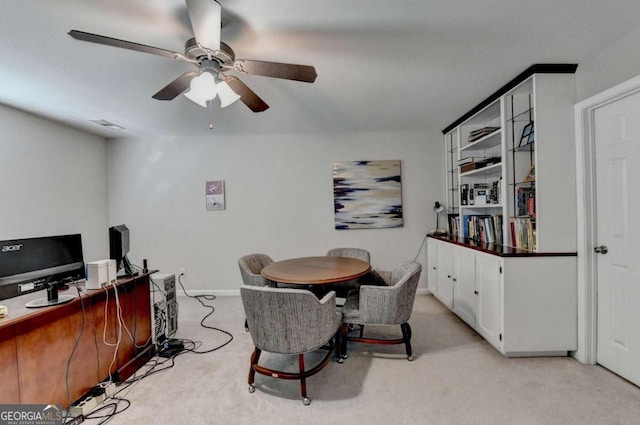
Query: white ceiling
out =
(382, 65)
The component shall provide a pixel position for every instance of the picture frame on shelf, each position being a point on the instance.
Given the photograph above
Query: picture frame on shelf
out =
(528, 135)
(530, 175)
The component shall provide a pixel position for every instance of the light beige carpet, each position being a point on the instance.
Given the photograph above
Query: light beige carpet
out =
(456, 378)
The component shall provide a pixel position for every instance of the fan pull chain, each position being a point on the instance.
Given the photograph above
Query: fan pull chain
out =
(210, 104)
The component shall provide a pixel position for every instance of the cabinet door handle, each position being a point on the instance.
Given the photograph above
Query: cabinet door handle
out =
(433, 268)
(476, 292)
(455, 280)
(449, 276)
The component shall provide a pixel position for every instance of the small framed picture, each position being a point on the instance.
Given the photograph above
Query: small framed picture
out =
(530, 176)
(528, 135)
(214, 191)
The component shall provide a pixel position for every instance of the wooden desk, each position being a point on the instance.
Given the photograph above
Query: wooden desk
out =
(316, 270)
(36, 344)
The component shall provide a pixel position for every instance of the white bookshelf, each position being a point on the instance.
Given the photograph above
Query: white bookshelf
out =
(520, 298)
(545, 99)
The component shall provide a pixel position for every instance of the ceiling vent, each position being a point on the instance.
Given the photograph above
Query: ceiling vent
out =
(108, 124)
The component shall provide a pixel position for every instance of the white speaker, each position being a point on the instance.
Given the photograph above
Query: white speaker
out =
(112, 272)
(97, 274)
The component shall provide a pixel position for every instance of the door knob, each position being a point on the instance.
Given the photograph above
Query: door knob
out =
(601, 249)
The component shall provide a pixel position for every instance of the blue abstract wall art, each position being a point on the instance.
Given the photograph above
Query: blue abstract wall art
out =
(367, 194)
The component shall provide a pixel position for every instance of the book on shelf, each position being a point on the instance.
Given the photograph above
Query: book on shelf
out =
(480, 133)
(471, 166)
(470, 159)
(464, 194)
(494, 192)
(526, 202)
(485, 229)
(497, 225)
(475, 163)
(480, 194)
(523, 233)
(454, 224)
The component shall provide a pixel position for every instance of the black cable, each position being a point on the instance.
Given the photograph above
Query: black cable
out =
(153, 282)
(95, 336)
(111, 405)
(200, 299)
(421, 246)
(147, 373)
(75, 346)
(155, 365)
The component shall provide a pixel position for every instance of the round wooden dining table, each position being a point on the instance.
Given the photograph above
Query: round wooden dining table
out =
(316, 270)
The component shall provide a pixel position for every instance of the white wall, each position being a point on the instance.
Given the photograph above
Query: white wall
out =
(612, 65)
(279, 198)
(53, 181)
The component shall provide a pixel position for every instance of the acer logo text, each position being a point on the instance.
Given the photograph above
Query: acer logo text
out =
(9, 248)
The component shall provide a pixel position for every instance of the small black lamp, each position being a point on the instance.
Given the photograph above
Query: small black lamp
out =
(438, 208)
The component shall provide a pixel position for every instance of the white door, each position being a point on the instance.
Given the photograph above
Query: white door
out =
(617, 145)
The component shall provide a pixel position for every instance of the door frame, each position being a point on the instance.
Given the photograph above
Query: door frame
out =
(586, 214)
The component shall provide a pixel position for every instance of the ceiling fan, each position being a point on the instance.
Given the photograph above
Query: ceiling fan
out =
(213, 58)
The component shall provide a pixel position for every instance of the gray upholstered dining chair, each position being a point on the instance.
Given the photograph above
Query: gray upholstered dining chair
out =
(250, 267)
(376, 304)
(358, 253)
(290, 321)
(343, 288)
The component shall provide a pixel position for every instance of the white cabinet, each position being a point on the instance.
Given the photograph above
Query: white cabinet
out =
(441, 268)
(464, 285)
(432, 269)
(508, 266)
(489, 295)
(444, 289)
(523, 305)
(452, 278)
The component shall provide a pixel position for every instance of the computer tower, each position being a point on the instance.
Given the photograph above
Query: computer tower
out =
(167, 283)
(159, 321)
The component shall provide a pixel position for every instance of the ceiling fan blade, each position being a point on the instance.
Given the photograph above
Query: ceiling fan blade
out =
(206, 17)
(101, 39)
(288, 71)
(177, 86)
(247, 96)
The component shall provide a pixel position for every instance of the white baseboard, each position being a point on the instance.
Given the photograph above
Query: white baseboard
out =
(215, 292)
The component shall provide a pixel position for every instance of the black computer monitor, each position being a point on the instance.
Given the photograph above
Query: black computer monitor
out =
(33, 264)
(119, 248)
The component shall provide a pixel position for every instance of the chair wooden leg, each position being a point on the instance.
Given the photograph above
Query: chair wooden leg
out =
(406, 334)
(301, 375)
(338, 341)
(345, 332)
(303, 381)
(254, 361)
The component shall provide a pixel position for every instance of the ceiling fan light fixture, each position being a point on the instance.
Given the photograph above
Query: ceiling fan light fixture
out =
(226, 94)
(202, 88)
